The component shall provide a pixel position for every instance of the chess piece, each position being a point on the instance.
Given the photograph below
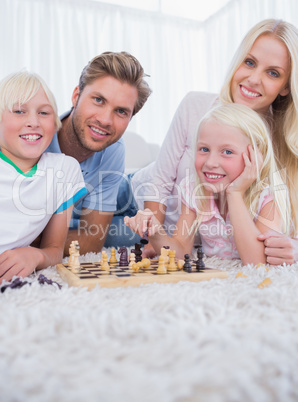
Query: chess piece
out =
(132, 259)
(72, 249)
(164, 251)
(200, 265)
(135, 267)
(123, 256)
(104, 262)
(187, 263)
(180, 264)
(172, 265)
(75, 263)
(161, 265)
(138, 252)
(144, 240)
(145, 263)
(113, 259)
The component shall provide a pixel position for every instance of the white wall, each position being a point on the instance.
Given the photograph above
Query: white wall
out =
(56, 38)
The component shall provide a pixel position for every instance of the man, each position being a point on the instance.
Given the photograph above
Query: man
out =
(111, 90)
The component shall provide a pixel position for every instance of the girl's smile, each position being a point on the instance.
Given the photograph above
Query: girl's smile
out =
(219, 159)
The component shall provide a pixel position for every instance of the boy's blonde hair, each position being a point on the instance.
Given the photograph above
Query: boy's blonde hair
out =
(255, 128)
(20, 87)
(284, 109)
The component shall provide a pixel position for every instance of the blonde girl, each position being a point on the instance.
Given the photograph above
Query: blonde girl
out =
(236, 194)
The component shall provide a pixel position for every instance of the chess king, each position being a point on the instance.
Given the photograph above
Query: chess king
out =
(111, 90)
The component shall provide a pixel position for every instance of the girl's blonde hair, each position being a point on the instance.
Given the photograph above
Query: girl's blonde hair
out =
(20, 87)
(255, 128)
(284, 110)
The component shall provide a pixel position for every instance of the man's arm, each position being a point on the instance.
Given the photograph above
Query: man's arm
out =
(91, 232)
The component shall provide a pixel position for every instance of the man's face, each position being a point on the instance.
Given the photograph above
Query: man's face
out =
(102, 112)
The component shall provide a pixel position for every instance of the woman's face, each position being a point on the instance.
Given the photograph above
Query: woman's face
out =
(263, 75)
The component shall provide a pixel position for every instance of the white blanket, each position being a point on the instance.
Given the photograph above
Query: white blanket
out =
(213, 341)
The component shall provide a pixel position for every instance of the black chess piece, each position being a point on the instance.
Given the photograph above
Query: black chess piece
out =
(123, 257)
(187, 263)
(138, 252)
(144, 240)
(200, 265)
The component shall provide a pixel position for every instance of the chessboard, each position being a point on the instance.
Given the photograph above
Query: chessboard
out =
(91, 274)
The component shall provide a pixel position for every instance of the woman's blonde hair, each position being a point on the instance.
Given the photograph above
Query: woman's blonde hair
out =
(255, 128)
(18, 88)
(284, 110)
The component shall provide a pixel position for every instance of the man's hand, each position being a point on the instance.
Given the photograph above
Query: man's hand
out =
(279, 248)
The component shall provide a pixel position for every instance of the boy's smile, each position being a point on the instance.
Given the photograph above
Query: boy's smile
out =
(27, 130)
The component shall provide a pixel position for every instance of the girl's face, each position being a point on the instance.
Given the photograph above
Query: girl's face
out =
(219, 159)
(27, 131)
(263, 75)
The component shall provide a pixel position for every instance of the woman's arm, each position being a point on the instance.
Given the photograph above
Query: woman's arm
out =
(23, 261)
(279, 248)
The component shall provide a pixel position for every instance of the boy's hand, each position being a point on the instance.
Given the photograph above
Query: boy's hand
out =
(249, 174)
(20, 262)
(143, 221)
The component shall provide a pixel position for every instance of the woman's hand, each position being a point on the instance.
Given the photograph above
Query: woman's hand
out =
(279, 248)
(249, 174)
(20, 262)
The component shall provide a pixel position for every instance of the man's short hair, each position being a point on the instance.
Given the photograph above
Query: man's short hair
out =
(122, 66)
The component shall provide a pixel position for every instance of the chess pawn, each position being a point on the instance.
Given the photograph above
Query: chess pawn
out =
(103, 254)
(113, 259)
(132, 259)
(172, 265)
(161, 265)
(187, 264)
(104, 263)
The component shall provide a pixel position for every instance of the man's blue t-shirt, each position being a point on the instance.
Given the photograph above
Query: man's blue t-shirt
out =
(102, 172)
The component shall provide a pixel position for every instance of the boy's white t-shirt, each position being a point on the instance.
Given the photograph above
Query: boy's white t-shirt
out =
(28, 201)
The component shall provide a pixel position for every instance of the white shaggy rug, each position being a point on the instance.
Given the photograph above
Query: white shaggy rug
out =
(214, 341)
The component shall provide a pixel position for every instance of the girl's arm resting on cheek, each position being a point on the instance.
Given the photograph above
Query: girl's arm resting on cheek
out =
(23, 261)
(181, 241)
(246, 231)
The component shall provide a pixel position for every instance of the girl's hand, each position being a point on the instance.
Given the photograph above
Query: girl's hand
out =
(249, 174)
(143, 221)
(20, 262)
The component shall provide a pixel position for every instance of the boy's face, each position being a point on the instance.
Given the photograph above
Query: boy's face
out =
(27, 130)
(219, 158)
(102, 112)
